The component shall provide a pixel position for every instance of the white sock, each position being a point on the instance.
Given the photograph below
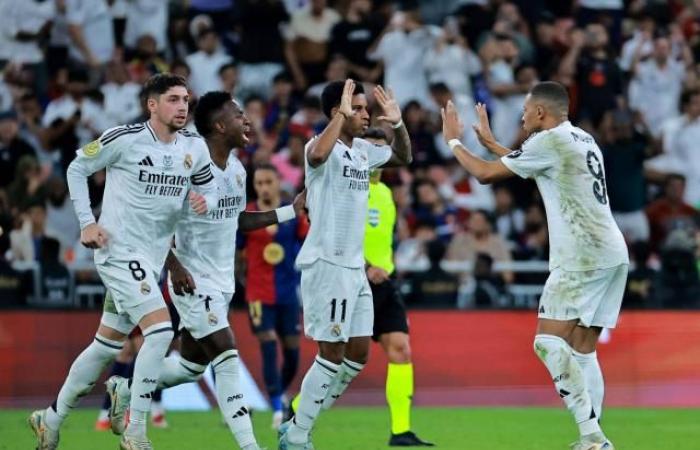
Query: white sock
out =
(230, 398)
(594, 379)
(149, 364)
(313, 391)
(81, 378)
(177, 370)
(348, 371)
(557, 356)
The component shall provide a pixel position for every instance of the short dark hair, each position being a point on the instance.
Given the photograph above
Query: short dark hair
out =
(333, 92)
(266, 166)
(439, 88)
(225, 67)
(376, 133)
(687, 95)
(553, 93)
(159, 84)
(208, 105)
(674, 176)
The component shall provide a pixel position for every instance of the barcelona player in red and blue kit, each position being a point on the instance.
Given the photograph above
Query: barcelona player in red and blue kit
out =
(271, 287)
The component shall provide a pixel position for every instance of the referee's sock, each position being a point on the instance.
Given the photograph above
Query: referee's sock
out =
(399, 393)
(348, 371)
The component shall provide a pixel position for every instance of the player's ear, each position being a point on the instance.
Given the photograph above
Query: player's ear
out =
(151, 103)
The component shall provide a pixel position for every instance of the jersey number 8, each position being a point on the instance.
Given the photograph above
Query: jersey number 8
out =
(136, 271)
(595, 167)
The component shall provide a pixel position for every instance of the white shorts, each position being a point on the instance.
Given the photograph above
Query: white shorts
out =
(132, 292)
(204, 312)
(593, 297)
(337, 302)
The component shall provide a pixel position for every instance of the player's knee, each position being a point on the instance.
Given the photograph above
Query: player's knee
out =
(159, 335)
(226, 363)
(546, 344)
(400, 353)
(332, 353)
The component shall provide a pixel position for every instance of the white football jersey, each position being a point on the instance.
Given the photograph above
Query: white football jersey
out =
(567, 166)
(147, 183)
(337, 194)
(206, 244)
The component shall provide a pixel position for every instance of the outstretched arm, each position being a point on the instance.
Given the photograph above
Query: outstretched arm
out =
(252, 220)
(321, 147)
(401, 145)
(485, 172)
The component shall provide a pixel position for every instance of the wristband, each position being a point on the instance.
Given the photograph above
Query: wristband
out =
(452, 143)
(397, 125)
(285, 213)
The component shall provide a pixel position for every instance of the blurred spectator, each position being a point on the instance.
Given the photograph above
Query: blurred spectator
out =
(280, 108)
(547, 51)
(26, 239)
(14, 285)
(461, 189)
(430, 207)
(670, 212)
(290, 163)
(641, 281)
(228, 74)
(91, 32)
(29, 113)
(510, 220)
(27, 184)
(479, 238)
(425, 153)
(146, 61)
(146, 17)
(74, 116)
(489, 290)
(307, 42)
(121, 96)
(337, 70)
(679, 283)
(657, 84)
(535, 242)
(434, 288)
(402, 48)
(218, 10)
(624, 152)
(309, 119)
(12, 147)
(61, 221)
(509, 22)
(260, 52)
(607, 12)
(597, 74)
(452, 62)
(411, 251)
(640, 46)
(206, 62)
(352, 36)
(55, 277)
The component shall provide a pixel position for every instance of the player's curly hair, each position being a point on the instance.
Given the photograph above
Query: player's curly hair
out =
(208, 105)
(332, 93)
(159, 84)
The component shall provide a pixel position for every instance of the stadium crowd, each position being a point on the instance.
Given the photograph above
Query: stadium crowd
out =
(73, 68)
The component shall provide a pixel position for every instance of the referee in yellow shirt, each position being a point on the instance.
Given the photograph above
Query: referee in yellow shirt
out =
(390, 323)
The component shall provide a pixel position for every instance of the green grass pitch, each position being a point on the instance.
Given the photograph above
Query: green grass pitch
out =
(367, 428)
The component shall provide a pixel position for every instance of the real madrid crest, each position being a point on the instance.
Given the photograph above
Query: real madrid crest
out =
(188, 161)
(239, 181)
(213, 320)
(335, 330)
(145, 288)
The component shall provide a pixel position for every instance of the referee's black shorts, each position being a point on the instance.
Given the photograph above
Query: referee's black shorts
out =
(389, 309)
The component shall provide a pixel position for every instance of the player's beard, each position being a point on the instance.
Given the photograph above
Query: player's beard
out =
(173, 127)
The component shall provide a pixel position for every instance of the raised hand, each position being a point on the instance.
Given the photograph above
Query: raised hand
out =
(345, 107)
(392, 111)
(452, 127)
(483, 129)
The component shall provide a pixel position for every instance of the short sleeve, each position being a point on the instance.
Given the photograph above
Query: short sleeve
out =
(75, 12)
(534, 158)
(377, 155)
(105, 151)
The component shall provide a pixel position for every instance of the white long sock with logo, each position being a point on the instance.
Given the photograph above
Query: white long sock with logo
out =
(149, 364)
(230, 398)
(348, 371)
(594, 379)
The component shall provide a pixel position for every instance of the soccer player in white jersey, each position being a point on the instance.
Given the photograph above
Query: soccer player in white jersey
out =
(588, 257)
(152, 169)
(201, 279)
(337, 301)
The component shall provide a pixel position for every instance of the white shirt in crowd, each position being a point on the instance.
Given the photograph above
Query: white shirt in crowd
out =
(146, 17)
(62, 223)
(205, 244)
(317, 29)
(93, 118)
(403, 56)
(27, 16)
(122, 103)
(508, 109)
(567, 166)
(337, 195)
(655, 92)
(147, 185)
(453, 65)
(94, 18)
(205, 71)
